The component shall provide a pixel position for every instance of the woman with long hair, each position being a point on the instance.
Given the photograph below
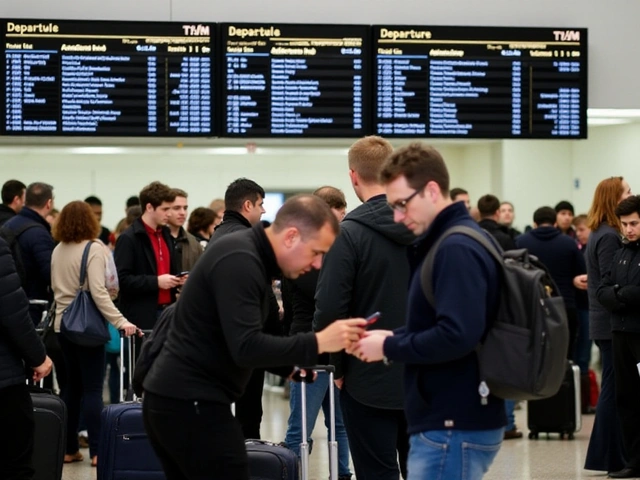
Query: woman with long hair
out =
(606, 450)
(75, 228)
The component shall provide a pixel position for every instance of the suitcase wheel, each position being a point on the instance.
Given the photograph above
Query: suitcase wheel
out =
(533, 435)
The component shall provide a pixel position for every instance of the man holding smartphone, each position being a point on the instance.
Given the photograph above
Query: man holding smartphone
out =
(366, 271)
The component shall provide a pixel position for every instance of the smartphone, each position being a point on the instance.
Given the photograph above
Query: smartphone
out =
(371, 319)
(182, 274)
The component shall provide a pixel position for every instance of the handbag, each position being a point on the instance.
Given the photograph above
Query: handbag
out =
(82, 323)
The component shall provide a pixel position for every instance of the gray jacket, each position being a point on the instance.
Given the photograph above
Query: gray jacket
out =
(603, 244)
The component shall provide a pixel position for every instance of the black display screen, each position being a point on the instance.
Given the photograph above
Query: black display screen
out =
(291, 80)
(107, 78)
(477, 82)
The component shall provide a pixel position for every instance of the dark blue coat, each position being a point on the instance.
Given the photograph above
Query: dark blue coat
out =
(560, 254)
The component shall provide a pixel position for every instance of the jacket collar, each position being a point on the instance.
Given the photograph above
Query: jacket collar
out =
(231, 216)
(35, 216)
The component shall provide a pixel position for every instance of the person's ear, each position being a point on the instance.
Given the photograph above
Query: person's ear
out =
(291, 236)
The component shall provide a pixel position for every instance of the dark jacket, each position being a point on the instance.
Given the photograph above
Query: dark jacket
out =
(437, 345)
(513, 233)
(231, 222)
(619, 291)
(560, 254)
(499, 232)
(6, 213)
(188, 250)
(366, 271)
(19, 343)
(217, 339)
(582, 296)
(37, 246)
(138, 274)
(603, 244)
(235, 222)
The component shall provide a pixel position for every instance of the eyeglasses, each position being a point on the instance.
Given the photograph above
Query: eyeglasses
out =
(401, 205)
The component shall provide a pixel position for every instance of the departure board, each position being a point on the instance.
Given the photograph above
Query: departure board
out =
(106, 78)
(291, 80)
(480, 82)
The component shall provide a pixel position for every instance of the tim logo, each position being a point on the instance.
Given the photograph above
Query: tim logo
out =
(567, 35)
(196, 30)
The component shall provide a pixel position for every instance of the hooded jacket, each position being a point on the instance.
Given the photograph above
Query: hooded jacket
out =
(365, 271)
(619, 291)
(499, 232)
(560, 254)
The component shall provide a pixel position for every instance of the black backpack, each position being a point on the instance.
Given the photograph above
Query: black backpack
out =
(523, 353)
(11, 237)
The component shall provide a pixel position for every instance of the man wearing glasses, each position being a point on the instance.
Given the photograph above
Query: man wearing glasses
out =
(452, 428)
(366, 271)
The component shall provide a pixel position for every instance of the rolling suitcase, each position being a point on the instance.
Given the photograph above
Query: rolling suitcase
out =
(269, 461)
(50, 416)
(124, 451)
(560, 413)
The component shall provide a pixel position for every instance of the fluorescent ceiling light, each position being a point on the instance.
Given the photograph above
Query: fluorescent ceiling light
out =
(613, 113)
(592, 122)
(97, 150)
(226, 150)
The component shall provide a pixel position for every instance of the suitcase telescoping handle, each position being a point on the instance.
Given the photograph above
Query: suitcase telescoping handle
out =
(333, 444)
(130, 363)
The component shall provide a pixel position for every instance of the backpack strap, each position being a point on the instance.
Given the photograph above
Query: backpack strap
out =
(426, 277)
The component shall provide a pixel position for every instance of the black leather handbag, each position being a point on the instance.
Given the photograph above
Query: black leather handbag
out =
(82, 323)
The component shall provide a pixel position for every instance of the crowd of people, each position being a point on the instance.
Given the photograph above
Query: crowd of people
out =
(407, 402)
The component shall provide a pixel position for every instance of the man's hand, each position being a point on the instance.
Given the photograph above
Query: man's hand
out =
(340, 335)
(167, 281)
(43, 370)
(370, 348)
(580, 282)
(339, 382)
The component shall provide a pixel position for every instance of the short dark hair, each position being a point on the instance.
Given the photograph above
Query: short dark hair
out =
(12, 189)
(155, 193)
(307, 213)
(93, 200)
(544, 215)
(564, 205)
(132, 201)
(38, 194)
(333, 196)
(457, 191)
(420, 164)
(200, 219)
(241, 190)
(76, 223)
(488, 205)
(628, 206)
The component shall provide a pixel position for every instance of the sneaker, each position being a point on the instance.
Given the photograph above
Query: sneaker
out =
(513, 433)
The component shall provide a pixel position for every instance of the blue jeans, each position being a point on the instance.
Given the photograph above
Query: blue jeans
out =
(452, 454)
(317, 398)
(509, 406)
(582, 349)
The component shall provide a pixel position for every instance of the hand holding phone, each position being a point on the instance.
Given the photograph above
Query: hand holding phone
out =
(373, 318)
(181, 274)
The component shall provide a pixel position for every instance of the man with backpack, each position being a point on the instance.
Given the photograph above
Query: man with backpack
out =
(447, 406)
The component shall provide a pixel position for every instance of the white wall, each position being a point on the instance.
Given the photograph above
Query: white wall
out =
(612, 24)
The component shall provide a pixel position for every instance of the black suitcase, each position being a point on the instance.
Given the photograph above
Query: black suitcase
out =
(50, 415)
(268, 461)
(560, 413)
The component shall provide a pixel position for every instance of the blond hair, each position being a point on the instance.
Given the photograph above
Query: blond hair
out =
(367, 156)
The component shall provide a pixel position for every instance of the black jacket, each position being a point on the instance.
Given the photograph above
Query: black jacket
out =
(365, 271)
(560, 254)
(499, 232)
(138, 274)
(37, 247)
(619, 291)
(231, 222)
(6, 213)
(217, 337)
(19, 343)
